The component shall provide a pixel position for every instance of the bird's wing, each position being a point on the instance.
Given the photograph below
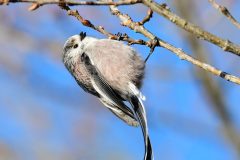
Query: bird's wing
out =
(139, 110)
(127, 119)
(88, 89)
(104, 89)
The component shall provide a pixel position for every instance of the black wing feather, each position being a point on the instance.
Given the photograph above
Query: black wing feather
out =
(105, 88)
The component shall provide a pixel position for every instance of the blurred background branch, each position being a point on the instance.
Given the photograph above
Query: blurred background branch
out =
(211, 87)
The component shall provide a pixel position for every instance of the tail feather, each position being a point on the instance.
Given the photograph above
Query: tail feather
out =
(149, 155)
(141, 116)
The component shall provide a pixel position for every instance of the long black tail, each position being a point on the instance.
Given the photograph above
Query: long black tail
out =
(141, 116)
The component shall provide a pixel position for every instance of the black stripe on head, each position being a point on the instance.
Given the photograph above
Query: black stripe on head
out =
(82, 35)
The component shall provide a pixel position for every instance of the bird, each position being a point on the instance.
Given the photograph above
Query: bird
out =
(113, 72)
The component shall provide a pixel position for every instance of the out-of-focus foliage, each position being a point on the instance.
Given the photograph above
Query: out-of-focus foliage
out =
(44, 115)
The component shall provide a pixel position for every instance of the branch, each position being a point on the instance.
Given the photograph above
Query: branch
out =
(137, 27)
(163, 10)
(127, 21)
(101, 29)
(225, 12)
(72, 2)
(147, 18)
(226, 45)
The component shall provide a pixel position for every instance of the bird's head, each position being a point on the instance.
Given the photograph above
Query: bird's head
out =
(75, 45)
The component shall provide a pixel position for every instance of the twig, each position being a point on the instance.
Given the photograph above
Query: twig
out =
(226, 45)
(225, 12)
(101, 29)
(4, 2)
(163, 10)
(127, 21)
(33, 7)
(73, 2)
(147, 18)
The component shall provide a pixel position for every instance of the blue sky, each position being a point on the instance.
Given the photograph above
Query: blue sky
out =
(45, 115)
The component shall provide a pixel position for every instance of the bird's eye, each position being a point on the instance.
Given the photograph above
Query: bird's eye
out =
(75, 46)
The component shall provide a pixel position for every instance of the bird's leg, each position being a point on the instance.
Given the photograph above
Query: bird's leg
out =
(154, 43)
(121, 36)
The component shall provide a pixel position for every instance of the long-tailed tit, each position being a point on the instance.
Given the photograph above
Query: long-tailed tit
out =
(113, 72)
